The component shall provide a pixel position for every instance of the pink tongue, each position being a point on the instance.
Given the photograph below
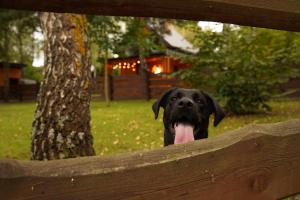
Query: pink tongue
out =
(183, 133)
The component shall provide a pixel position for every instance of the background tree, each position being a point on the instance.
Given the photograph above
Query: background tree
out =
(206, 61)
(245, 65)
(105, 32)
(141, 38)
(256, 62)
(16, 40)
(19, 27)
(61, 126)
(5, 46)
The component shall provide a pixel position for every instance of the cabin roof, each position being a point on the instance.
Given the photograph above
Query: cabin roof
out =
(175, 40)
(13, 65)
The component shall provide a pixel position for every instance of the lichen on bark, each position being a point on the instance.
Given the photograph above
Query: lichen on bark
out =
(61, 128)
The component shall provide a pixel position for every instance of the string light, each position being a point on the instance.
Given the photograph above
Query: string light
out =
(126, 66)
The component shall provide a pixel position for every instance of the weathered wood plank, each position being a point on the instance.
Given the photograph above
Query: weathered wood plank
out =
(276, 14)
(256, 162)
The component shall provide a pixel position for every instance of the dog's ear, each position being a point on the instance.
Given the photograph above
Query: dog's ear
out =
(161, 102)
(215, 108)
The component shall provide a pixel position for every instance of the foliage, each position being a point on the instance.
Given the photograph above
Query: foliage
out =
(125, 36)
(136, 128)
(205, 60)
(33, 73)
(105, 32)
(141, 36)
(256, 61)
(243, 64)
(16, 36)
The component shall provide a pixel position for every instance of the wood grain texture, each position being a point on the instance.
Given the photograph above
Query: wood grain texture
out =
(275, 14)
(255, 162)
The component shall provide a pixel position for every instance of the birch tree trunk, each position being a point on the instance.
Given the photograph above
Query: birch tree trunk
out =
(61, 128)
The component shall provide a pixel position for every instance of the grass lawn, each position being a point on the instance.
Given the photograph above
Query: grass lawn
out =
(122, 127)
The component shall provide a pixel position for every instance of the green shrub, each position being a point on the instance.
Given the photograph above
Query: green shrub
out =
(33, 73)
(255, 62)
(244, 65)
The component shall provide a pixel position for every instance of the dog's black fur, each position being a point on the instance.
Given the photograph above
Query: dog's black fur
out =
(188, 106)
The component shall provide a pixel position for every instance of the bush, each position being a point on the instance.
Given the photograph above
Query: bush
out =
(33, 73)
(255, 62)
(244, 93)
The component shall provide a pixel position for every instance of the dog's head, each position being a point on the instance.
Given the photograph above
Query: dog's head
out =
(186, 113)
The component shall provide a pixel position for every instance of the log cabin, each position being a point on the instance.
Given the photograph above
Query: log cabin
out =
(158, 62)
(12, 72)
(15, 73)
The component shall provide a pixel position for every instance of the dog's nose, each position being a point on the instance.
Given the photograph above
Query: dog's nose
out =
(185, 103)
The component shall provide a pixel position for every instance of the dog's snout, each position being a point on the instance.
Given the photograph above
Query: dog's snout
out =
(185, 103)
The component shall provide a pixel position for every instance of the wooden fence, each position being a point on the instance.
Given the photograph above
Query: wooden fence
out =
(291, 88)
(158, 85)
(21, 92)
(132, 87)
(128, 87)
(29, 92)
(276, 14)
(260, 162)
(121, 88)
(98, 88)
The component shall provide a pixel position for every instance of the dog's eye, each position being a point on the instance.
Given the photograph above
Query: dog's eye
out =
(200, 101)
(173, 98)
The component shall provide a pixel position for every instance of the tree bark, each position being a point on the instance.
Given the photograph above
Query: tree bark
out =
(6, 67)
(6, 75)
(144, 74)
(20, 35)
(143, 71)
(106, 81)
(61, 128)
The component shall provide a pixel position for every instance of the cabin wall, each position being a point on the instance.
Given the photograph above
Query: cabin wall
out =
(156, 65)
(14, 73)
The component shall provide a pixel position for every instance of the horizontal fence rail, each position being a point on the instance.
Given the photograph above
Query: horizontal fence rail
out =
(255, 162)
(274, 14)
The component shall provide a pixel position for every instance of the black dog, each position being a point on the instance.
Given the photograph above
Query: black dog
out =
(186, 114)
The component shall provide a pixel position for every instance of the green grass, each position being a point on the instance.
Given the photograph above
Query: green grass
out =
(124, 126)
